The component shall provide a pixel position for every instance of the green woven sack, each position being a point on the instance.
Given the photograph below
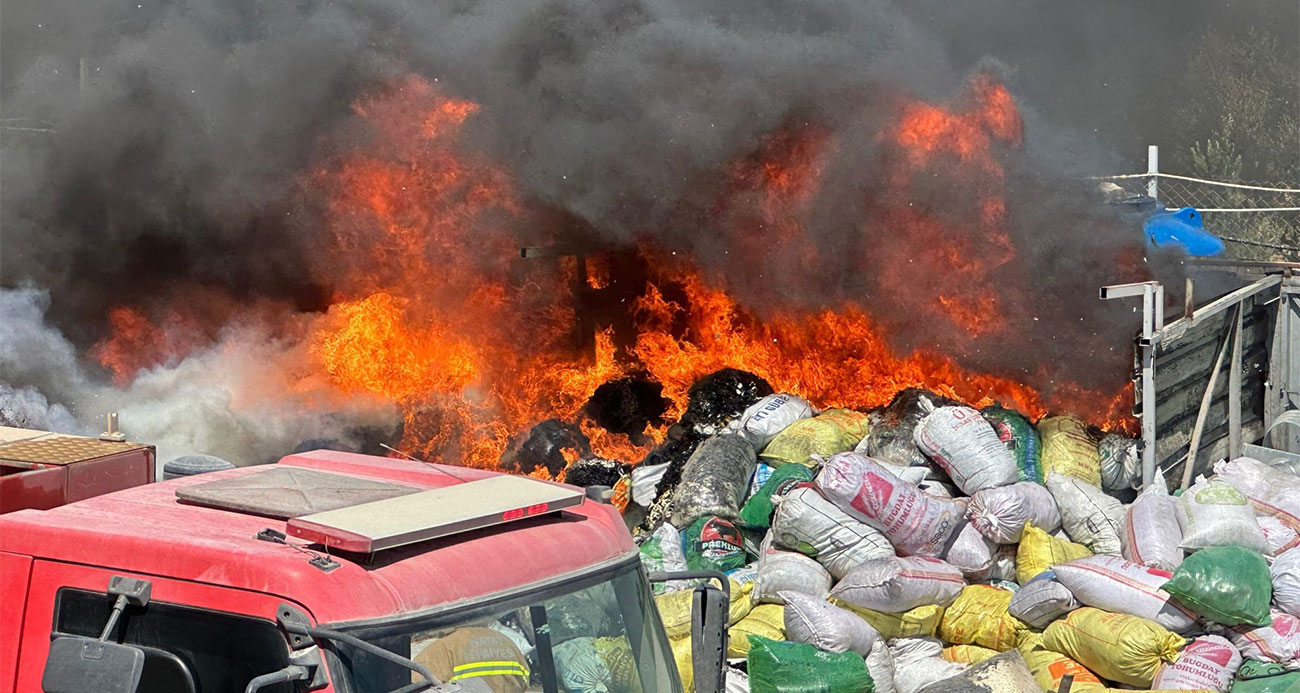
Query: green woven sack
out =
(757, 511)
(793, 667)
(1230, 585)
(1286, 683)
(1021, 439)
(712, 543)
(1255, 669)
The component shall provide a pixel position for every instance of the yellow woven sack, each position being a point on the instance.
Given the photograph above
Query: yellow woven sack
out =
(1039, 551)
(1119, 647)
(767, 620)
(1070, 449)
(616, 652)
(682, 658)
(830, 432)
(675, 608)
(923, 620)
(968, 654)
(1050, 667)
(980, 617)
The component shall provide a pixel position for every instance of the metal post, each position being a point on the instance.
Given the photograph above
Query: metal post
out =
(1153, 323)
(1148, 413)
(1153, 167)
(1159, 300)
(1234, 387)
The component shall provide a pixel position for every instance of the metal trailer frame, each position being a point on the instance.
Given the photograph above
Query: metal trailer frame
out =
(1279, 437)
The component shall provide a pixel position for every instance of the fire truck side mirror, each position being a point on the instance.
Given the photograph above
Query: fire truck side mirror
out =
(710, 616)
(78, 665)
(710, 610)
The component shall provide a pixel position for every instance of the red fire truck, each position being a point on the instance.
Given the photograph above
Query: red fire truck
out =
(337, 572)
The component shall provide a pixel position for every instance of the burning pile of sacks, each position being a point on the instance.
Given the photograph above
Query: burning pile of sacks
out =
(930, 544)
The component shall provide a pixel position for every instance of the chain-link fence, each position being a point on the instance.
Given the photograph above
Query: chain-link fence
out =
(1258, 220)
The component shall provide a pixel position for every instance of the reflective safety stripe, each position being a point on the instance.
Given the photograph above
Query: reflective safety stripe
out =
(509, 663)
(505, 668)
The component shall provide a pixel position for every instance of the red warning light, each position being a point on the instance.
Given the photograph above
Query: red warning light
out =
(519, 513)
(512, 514)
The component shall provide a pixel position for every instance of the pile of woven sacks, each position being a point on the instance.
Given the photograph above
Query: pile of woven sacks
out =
(930, 544)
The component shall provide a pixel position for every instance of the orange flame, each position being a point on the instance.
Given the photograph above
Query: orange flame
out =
(434, 312)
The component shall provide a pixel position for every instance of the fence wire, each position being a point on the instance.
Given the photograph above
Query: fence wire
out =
(1260, 220)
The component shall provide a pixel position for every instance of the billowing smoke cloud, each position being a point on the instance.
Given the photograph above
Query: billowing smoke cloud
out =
(171, 141)
(232, 400)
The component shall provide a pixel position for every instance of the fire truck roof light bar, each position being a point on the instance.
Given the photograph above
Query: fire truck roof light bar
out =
(393, 522)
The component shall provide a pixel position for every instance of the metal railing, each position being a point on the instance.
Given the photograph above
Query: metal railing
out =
(1260, 220)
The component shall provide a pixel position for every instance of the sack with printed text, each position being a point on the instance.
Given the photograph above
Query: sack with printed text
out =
(964, 444)
(916, 523)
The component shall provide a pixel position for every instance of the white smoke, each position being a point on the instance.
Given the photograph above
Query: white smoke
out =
(248, 398)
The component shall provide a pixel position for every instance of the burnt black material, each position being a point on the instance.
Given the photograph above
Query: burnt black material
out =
(628, 405)
(595, 472)
(674, 452)
(890, 438)
(906, 405)
(721, 396)
(543, 446)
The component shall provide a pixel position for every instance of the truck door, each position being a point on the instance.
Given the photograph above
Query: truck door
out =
(196, 637)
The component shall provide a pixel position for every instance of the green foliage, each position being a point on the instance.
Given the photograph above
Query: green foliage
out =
(1216, 159)
(1241, 108)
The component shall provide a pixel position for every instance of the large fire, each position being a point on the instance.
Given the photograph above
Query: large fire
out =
(435, 310)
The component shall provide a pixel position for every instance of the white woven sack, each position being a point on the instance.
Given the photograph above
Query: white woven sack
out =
(737, 681)
(767, 417)
(1000, 513)
(825, 626)
(1279, 535)
(964, 443)
(804, 519)
(1088, 515)
(1207, 663)
(1152, 534)
(912, 475)
(1042, 600)
(895, 585)
(1114, 584)
(880, 664)
(1214, 513)
(972, 553)
(645, 482)
(1121, 465)
(1004, 564)
(915, 667)
(1286, 581)
(916, 523)
(1271, 490)
(1278, 642)
(781, 571)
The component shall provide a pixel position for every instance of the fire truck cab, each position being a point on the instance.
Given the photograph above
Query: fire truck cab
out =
(330, 571)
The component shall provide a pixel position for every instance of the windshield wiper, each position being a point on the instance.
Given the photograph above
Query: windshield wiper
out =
(295, 622)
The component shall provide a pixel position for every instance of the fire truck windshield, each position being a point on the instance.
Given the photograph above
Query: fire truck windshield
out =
(596, 632)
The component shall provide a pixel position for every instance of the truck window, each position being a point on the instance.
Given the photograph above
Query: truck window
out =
(599, 635)
(186, 649)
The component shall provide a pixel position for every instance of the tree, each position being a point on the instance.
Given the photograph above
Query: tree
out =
(1241, 108)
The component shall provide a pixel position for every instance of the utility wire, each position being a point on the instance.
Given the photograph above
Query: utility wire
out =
(1195, 180)
(1261, 244)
